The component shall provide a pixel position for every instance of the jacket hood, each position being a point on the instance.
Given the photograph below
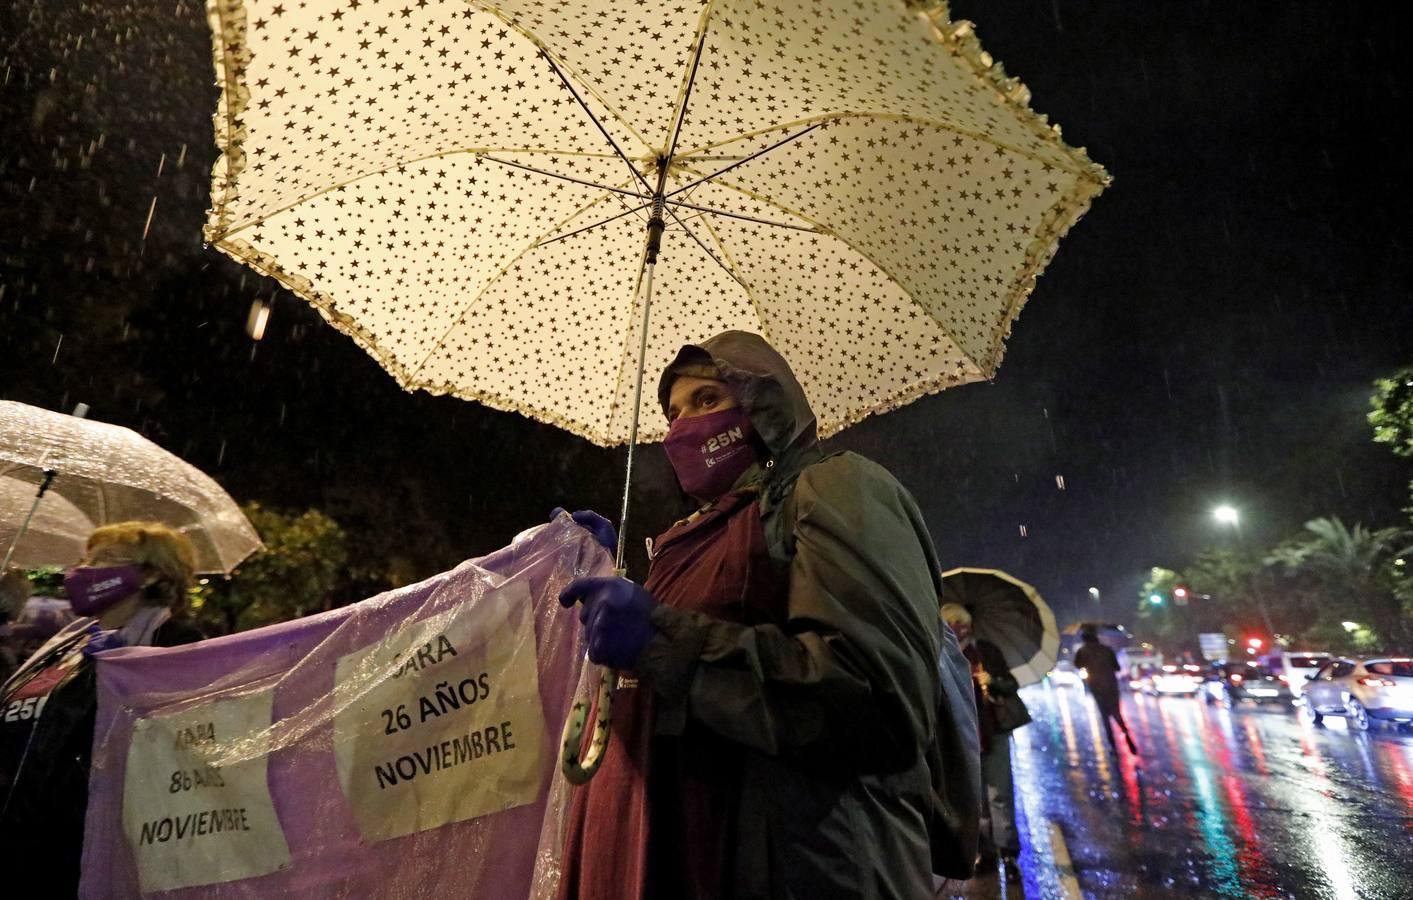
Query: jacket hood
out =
(763, 384)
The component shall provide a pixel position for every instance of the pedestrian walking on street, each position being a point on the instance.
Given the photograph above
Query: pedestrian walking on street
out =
(791, 718)
(1000, 711)
(1101, 668)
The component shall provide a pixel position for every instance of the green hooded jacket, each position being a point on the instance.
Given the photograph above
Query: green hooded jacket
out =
(862, 775)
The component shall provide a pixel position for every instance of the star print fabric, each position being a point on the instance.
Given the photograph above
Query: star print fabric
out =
(855, 180)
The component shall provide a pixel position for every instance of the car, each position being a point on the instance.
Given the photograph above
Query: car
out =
(1298, 667)
(1066, 675)
(1229, 683)
(1173, 680)
(1363, 691)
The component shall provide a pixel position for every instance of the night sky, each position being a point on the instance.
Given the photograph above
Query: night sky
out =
(1207, 334)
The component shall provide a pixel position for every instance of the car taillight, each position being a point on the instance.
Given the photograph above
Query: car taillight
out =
(1237, 679)
(1371, 681)
(1283, 679)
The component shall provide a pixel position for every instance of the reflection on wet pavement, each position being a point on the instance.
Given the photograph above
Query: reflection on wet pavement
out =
(1254, 801)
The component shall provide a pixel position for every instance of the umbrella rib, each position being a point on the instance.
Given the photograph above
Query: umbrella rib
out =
(681, 116)
(1087, 170)
(750, 294)
(741, 162)
(570, 178)
(725, 268)
(683, 205)
(413, 372)
(721, 212)
(564, 79)
(472, 151)
(820, 228)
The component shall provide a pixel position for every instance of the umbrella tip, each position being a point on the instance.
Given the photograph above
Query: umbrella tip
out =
(81, 411)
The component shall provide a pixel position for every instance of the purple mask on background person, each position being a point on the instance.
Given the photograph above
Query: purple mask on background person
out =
(710, 452)
(93, 589)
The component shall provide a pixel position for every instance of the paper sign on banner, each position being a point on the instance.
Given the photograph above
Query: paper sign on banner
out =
(442, 721)
(191, 818)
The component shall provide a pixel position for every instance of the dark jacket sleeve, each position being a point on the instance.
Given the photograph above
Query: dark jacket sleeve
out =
(993, 661)
(850, 681)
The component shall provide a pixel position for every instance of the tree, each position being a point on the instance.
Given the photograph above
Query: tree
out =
(1392, 418)
(1392, 415)
(298, 571)
(1352, 571)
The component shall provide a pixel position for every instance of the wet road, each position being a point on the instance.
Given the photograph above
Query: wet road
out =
(1247, 802)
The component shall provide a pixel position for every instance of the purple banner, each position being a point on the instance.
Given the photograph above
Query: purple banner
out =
(405, 745)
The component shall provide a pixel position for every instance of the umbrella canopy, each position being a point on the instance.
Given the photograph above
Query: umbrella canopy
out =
(105, 474)
(1010, 614)
(463, 189)
(1115, 636)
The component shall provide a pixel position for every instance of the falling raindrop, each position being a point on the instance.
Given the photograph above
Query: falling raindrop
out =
(1060, 482)
(55, 357)
(150, 210)
(221, 456)
(1024, 532)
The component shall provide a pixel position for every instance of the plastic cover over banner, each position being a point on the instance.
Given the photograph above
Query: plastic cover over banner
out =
(404, 746)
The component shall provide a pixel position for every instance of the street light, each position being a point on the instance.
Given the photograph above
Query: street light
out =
(1351, 627)
(1226, 514)
(1094, 592)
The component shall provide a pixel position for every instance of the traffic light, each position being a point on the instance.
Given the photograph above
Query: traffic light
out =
(1180, 596)
(1155, 599)
(1253, 645)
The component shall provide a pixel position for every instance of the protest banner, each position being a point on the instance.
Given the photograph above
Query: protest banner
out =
(400, 745)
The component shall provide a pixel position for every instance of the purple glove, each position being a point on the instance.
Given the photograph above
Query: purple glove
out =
(602, 529)
(616, 617)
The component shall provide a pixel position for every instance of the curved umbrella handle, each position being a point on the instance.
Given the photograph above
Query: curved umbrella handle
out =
(578, 771)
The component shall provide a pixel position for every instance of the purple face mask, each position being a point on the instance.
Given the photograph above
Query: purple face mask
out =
(710, 452)
(93, 589)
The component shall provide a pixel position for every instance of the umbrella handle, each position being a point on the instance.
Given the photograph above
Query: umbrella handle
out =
(578, 771)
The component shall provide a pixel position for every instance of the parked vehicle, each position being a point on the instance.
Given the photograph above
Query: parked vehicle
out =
(1298, 667)
(1229, 683)
(1364, 691)
(1173, 680)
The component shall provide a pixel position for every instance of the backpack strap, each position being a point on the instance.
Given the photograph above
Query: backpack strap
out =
(777, 512)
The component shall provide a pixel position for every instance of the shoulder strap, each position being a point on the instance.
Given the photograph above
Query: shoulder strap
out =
(777, 510)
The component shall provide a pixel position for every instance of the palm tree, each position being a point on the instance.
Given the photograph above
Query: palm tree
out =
(1351, 566)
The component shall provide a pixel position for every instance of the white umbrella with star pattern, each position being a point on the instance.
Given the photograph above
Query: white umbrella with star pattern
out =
(477, 192)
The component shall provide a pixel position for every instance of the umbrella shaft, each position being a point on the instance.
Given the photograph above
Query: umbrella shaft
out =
(39, 494)
(655, 229)
(637, 404)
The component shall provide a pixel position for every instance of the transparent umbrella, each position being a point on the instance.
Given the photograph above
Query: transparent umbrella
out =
(60, 476)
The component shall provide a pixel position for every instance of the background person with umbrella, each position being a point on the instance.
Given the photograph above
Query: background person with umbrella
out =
(130, 590)
(785, 728)
(1101, 669)
(999, 711)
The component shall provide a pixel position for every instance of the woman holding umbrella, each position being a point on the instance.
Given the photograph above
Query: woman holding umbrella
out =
(783, 727)
(1000, 711)
(130, 590)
